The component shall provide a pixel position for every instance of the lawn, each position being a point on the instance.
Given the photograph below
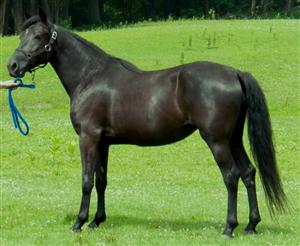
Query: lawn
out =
(169, 195)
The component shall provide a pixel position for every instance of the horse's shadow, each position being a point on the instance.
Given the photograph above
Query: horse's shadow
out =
(186, 225)
(194, 224)
(150, 223)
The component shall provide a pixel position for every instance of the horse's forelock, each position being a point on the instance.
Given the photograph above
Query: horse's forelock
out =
(30, 22)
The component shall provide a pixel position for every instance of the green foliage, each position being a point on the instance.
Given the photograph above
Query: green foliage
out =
(54, 147)
(212, 14)
(67, 23)
(78, 14)
(168, 195)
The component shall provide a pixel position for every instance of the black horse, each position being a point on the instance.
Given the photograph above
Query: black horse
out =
(114, 102)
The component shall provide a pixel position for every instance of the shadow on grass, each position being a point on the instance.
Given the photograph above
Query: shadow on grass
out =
(179, 225)
(122, 220)
(191, 225)
(176, 225)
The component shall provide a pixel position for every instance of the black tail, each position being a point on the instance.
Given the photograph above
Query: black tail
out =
(261, 143)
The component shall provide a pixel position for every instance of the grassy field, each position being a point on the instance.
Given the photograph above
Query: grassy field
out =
(170, 195)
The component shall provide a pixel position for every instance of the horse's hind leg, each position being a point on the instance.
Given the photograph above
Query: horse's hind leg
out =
(247, 171)
(222, 154)
(248, 176)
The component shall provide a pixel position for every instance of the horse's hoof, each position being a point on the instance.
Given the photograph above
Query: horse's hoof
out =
(226, 236)
(250, 231)
(227, 233)
(76, 229)
(93, 225)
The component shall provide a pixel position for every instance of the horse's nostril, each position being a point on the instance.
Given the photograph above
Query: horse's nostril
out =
(14, 66)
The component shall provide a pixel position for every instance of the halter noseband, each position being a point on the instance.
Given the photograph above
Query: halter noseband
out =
(48, 48)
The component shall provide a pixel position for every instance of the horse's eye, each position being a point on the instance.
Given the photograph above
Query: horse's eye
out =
(37, 37)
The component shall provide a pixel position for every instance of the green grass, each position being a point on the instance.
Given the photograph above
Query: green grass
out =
(170, 195)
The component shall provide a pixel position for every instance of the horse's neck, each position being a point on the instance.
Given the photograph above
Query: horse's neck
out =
(74, 60)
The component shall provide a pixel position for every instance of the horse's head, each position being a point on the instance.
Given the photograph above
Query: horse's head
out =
(35, 48)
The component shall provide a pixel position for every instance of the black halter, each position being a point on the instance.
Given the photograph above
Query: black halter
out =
(48, 49)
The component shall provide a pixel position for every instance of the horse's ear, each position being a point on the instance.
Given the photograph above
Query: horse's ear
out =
(42, 15)
(26, 15)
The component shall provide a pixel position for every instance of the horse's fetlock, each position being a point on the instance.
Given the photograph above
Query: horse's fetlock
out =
(82, 218)
(233, 223)
(255, 219)
(100, 217)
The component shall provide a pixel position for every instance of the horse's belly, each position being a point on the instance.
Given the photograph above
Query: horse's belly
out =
(143, 137)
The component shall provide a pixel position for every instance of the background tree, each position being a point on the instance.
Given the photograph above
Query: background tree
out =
(2, 15)
(46, 7)
(64, 11)
(288, 6)
(31, 6)
(18, 14)
(85, 13)
(205, 7)
(253, 7)
(93, 9)
(149, 9)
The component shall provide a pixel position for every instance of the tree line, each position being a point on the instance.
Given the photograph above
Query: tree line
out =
(90, 13)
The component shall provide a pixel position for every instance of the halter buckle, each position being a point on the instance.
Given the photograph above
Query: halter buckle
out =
(54, 35)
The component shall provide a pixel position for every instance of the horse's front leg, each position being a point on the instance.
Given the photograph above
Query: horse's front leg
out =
(89, 156)
(101, 182)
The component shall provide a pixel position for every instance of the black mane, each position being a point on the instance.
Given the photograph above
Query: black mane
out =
(95, 48)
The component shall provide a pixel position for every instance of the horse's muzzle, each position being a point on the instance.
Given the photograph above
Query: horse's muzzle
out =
(15, 69)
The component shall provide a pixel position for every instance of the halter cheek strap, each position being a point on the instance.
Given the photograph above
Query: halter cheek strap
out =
(48, 48)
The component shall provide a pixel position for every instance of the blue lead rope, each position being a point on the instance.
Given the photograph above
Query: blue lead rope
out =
(15, 113)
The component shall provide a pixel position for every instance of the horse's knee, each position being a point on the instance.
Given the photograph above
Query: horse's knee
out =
(101, 184)
(87, 187)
